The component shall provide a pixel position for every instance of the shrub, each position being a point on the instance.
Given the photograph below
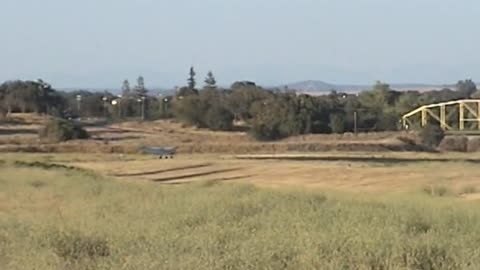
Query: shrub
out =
(278, 118)
(337, 123)
(473, 144)
(37, 184)
(267, 132)
(219, 118)
(469, 190)
(416, 225)
(456, 144)
(436, 190)
(60, 130)
(431, 135)
(74, 246)
(428, 256)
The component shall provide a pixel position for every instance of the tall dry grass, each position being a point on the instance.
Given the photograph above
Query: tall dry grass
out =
(60, 218)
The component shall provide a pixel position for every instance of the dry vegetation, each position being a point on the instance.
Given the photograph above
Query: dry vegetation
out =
(127, 137)
(61, 217)
(283, 209)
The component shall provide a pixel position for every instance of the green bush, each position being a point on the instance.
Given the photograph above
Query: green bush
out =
(337, 123)
(60, 130)
(431, 135)
(219, 118)
(267, 132)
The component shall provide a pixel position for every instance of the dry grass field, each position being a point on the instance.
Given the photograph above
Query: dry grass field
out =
(74, 211)
(284, 205)
(363, 163)
(456, 174)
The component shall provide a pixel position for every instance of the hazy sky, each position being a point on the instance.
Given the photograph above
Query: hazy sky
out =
(98, 43)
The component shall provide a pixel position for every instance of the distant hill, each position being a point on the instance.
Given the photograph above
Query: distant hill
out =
(312, 86)
(319, 87)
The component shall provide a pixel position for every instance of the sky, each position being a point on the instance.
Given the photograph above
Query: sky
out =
(99, 43)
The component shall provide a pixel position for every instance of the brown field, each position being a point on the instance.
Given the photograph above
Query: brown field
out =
(345, 172)
(228, 202)
(364, 163)
(128, 137)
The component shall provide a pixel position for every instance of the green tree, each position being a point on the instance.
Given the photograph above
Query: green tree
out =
(242, 97)
(466, 88)
(218, 117)
(382, 94)
(30, 96)
(59, 130)
(191, 79)
(337, 123)
(210, 82)
(191, 110)
(140, 90)
(278, 117)
(126, 92)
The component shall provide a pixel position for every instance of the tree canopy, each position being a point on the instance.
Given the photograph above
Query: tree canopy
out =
(269, 114)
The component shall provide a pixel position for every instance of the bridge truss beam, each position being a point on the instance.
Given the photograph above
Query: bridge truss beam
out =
(458, 115)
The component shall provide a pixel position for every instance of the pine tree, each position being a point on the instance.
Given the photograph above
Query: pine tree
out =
(210, 81)
(191, 79)
(126, 88)
(140, 89)
(466, 88)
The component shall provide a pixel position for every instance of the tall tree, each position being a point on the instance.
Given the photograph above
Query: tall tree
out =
(210, 82)
(126, 88)
(191, 79)
(140, 89)
(466, 88)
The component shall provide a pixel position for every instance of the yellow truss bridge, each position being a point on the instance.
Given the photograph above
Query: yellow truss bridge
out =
(453, 116)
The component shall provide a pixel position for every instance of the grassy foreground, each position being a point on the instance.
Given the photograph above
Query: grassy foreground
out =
(59, 218)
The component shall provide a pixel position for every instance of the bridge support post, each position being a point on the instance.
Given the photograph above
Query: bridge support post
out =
(461, 120)
(443, 120)
(478, 114)
(424, 117)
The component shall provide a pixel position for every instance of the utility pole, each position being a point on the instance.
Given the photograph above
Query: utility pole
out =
(165, 107)
(143, 108)
(355, 123)
(105, 99)
(79, 100)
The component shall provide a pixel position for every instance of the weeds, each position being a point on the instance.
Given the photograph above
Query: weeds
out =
(37, 184)
(469, 190)
(74, 246)
(437, 190)
(226, 226)
(417, 225)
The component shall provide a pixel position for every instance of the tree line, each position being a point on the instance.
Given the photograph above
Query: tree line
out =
(268, 114)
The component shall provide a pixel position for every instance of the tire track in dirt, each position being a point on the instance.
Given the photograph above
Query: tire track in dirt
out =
(164, 170)
(222, 179)
(193, 175)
